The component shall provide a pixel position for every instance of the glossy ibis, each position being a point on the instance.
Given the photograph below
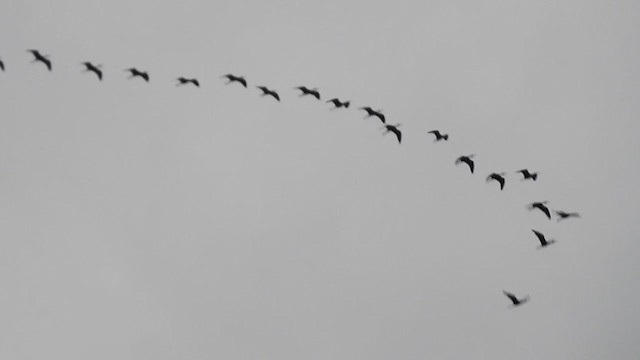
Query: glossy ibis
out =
(135, 72)
(528, 175)
(499, 177)
(184, 81)
(306, 91)
(541, 206)
(467, 160)
(543, 241)
(338, 104)
(439, 135)
(38, 57)
(378, 113)
(514, 299)
(233, 78)
(266, 91)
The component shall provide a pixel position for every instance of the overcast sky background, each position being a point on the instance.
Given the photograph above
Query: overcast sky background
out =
(148, 221)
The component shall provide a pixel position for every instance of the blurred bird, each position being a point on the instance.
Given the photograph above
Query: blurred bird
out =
(541, 206)
(184, 81)
(93, 68)
(232, 78)
(527, 175)
(514, 299)
(135, 72)
(37, 56)
(439, 136)
(1, 65)
(338, 104)
(467, 160)
(543, 241)
(378, 113)
(394, 129)
(266, 91)
(306, 91)
(565, 215)
(499, 177)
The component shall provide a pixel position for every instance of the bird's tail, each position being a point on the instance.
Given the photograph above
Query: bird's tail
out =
(346, 104)
(534, 177)
(445, 137)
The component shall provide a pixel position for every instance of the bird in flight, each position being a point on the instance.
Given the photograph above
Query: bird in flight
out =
(266, 91)
(338, 104)
(528, 175)
(439, 136)
(514, 299)
(499, 177)
(306, 91)
(135, 72)
(93, 68)
(543, 241)
(233, 78)
(394, 129)
(378, 113)
(1, 65)
(184, 81)
(467, 160)
(565, 215)
(542, 207)
(38, 57)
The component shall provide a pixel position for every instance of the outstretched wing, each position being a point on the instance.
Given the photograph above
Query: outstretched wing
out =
(511, 297)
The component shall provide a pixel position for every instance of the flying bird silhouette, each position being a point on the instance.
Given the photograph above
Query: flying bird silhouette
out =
(184, 81)
(467, 160)
(378, 113)
(306, 91)
(338, 104)
(135, 72)
(439, 136)
(514, 299)
(394, 129)
(543, 241)
(1, 65)
(233, 78)
(93, 68)
(541, 206)
(266, 91)
(38, 57)
(565, 215)
(528, 175)
(499, 177)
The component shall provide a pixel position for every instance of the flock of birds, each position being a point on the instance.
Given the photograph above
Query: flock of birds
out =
(500, 178)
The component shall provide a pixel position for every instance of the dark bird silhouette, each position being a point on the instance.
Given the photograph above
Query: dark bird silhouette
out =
(499, 177)
(394, 129)
(135, 72)
(439, 136)
(378, 113)
(266, 91)
(93, 68)
(541, 206)
(338, 104)
(233, 78)
(565, 215)
(1, 65)
(527, 175)
(514, 299)
(467, 160)
(543, 241)
(306, 91)
(184, 81)
(37, 56)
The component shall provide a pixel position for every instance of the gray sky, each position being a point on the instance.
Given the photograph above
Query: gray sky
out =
(145, 221)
